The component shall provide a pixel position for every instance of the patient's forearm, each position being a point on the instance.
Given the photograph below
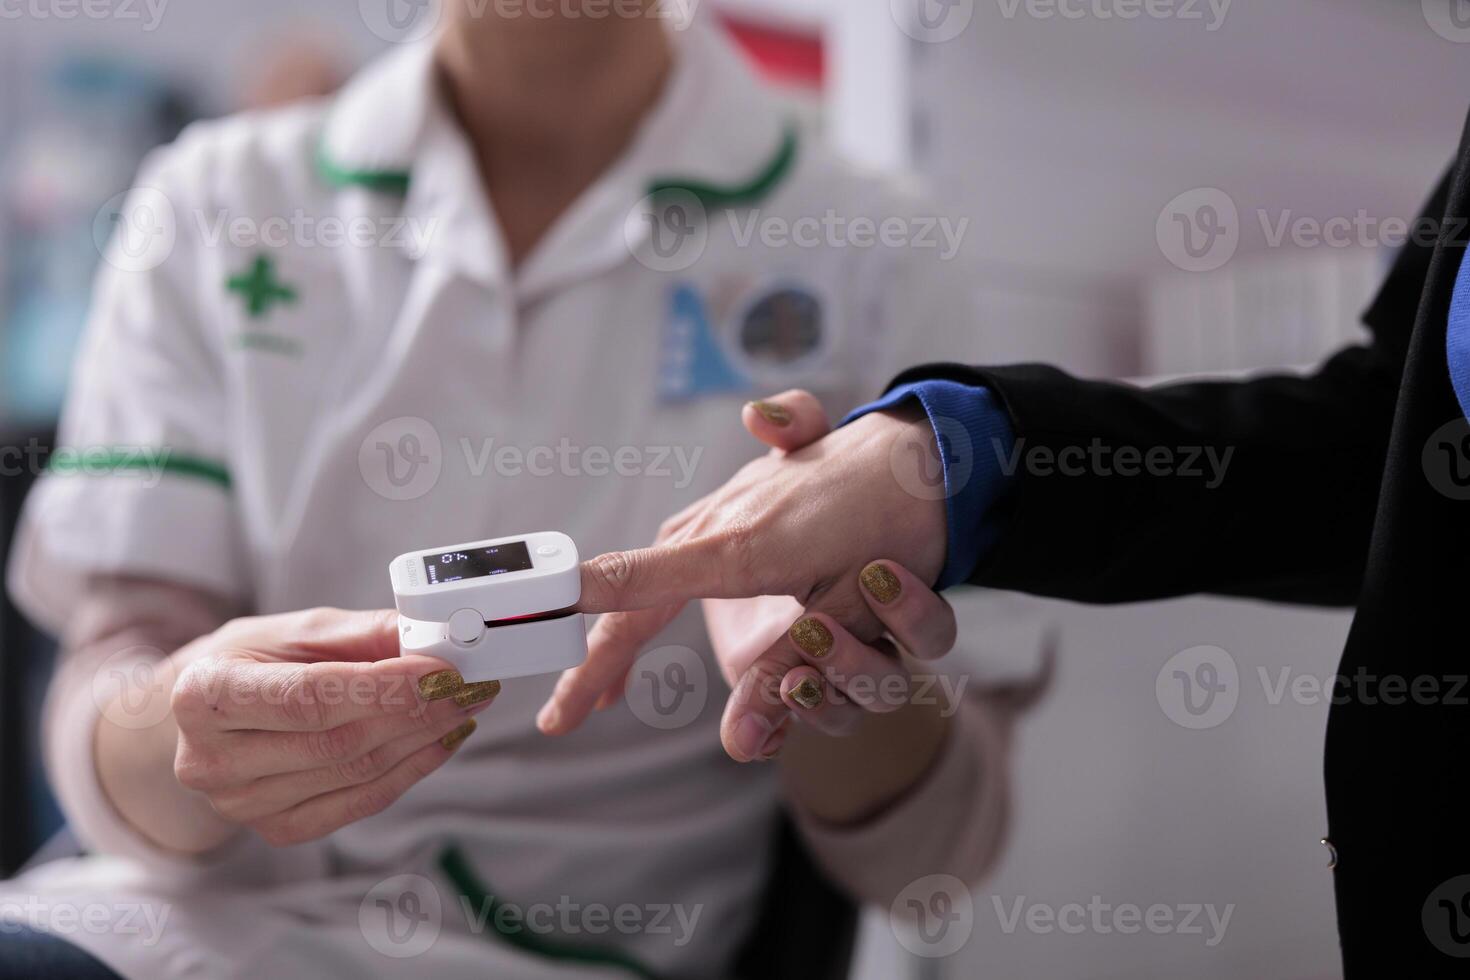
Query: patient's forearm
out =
(108, 725)
(843, 781)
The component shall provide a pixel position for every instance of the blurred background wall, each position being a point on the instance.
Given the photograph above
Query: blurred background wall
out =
(1148, 196)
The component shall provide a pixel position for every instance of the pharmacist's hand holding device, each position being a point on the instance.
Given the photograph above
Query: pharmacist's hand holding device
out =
(493, 609)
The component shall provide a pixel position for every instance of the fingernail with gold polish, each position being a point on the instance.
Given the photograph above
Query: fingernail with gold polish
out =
(808, 694)
(772, 413)
(454, 738)
(476, 693)
(881, 584)
(812, 636)
(440, 684)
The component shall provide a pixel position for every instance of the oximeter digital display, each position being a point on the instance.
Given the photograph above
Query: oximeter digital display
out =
(496, 559)
(493, 609)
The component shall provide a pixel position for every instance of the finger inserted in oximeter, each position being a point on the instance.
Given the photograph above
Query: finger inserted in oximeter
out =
(493, 609)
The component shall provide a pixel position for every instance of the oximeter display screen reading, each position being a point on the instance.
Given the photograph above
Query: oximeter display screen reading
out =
(453, 566)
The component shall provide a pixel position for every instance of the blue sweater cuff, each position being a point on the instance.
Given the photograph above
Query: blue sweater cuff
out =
(975, 439)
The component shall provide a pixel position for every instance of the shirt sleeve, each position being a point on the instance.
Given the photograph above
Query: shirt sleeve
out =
(976, 452)
(952, 822)
(139, 482)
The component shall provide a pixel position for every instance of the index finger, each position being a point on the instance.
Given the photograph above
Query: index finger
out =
(246, 694)
(696, 568)
(612, 646)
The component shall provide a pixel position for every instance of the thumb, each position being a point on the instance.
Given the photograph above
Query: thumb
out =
(342, 635)
(787, 421)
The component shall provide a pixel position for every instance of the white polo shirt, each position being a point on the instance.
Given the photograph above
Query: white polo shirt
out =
(308, 353)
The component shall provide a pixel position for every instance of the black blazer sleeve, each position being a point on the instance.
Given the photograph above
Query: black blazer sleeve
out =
(1292, 517)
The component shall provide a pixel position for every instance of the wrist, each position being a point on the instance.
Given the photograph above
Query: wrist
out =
(134, 742)
(917, 495)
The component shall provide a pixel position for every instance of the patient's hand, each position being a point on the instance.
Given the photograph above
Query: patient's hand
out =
(298, 724)
(804, 521)
(782, 664)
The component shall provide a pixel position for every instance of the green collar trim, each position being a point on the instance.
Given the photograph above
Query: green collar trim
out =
(382, 181)
(457, 869)
(711, 196)
(715, 198)
(103, 461)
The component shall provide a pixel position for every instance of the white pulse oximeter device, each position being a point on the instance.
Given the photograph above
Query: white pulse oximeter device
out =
(493, 609)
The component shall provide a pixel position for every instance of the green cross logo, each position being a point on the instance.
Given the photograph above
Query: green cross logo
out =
(260, 288)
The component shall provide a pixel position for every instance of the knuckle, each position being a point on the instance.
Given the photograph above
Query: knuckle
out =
(370, 801)
(365, 767)
(190, 698)
(318, 619)
(612, 571)
(335, 745)
(667, 527)
(299, 700)
(738, 541)
(200, 770)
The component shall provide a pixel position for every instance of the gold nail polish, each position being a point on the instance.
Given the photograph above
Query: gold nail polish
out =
(476, 693)
(812, 636)
(773, 413)
(440, 684)
(881, 584)
(808, 693)
(454, 738)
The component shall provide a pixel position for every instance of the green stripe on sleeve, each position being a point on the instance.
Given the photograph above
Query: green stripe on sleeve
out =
(104, 461)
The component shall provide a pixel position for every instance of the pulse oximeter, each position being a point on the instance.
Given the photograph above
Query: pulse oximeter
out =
(493, 609)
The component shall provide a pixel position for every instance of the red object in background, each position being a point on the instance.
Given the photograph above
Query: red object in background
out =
(786, 57)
